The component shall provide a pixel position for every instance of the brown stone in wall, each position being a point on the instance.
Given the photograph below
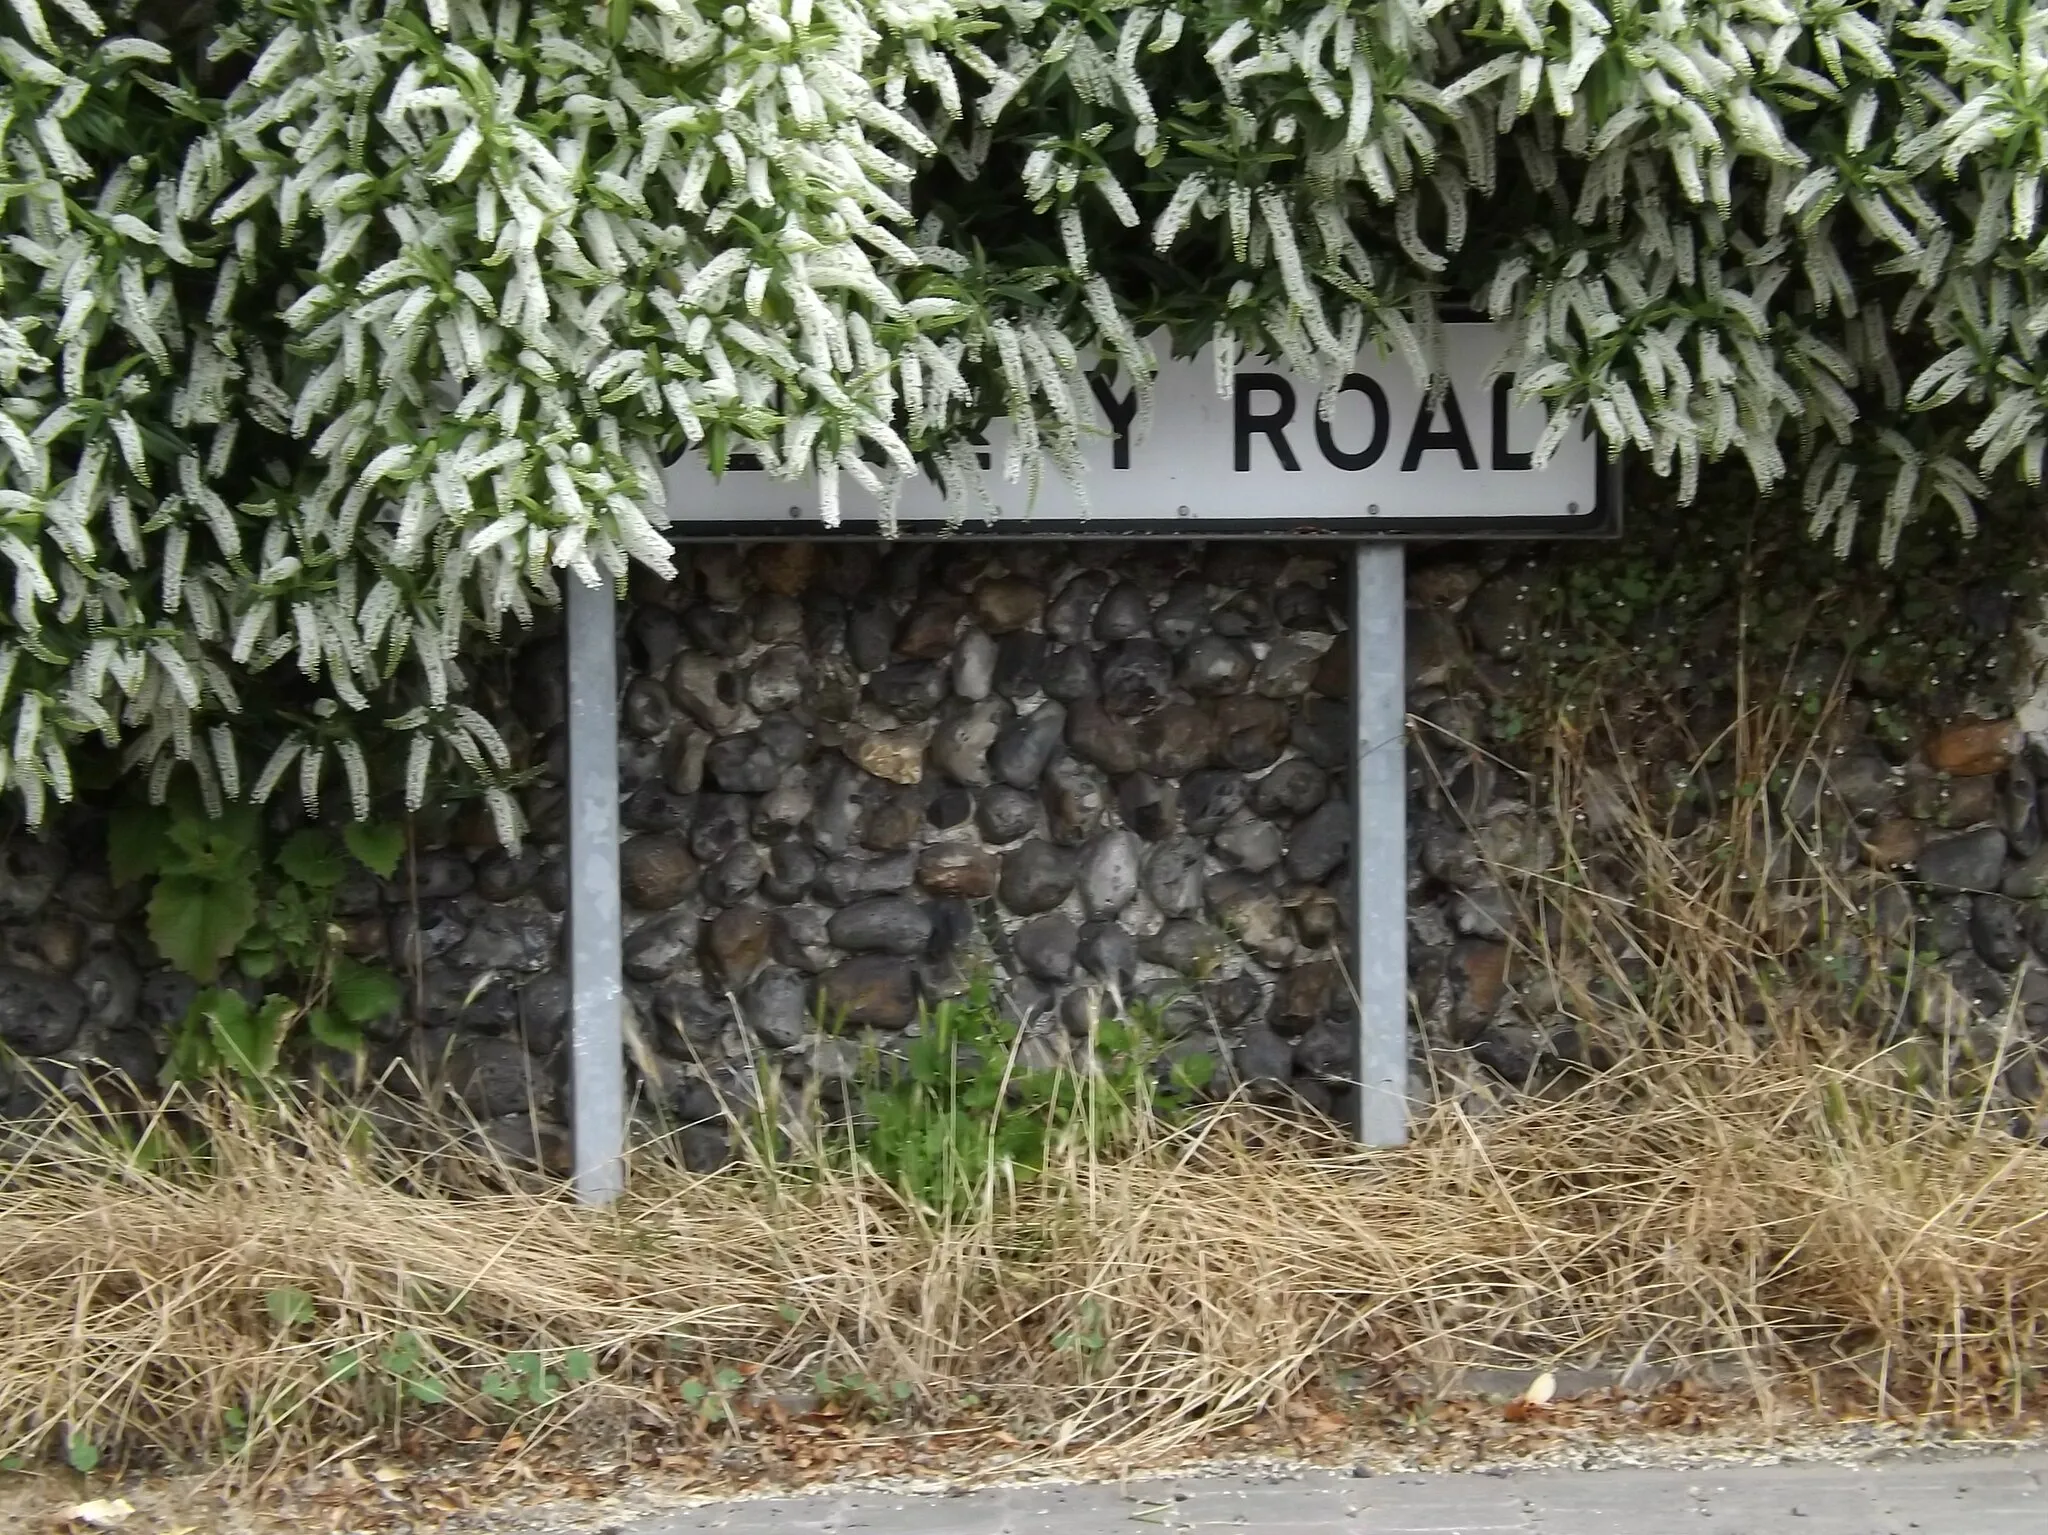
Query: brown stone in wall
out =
(786, 569)
(958, 869)
(897, 755)
(1969, 748)
(875, 991)
(1892, 843)
(1007, 604)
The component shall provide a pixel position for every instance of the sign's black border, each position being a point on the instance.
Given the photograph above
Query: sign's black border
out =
(1601, 520)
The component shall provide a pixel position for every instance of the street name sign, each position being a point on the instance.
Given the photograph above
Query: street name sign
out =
(1381, 457)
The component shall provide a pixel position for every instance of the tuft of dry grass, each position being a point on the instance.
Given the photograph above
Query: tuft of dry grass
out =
(1754, 1177)
(1770, 1211)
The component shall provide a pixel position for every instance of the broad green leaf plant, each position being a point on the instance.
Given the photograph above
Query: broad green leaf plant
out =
(337, 332)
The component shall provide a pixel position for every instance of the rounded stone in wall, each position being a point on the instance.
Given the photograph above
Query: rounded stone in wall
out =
(39, 1014)
(1068, 674)
(1148, 807)
(111, 986)
(719, 632)
(645, 710)
(1294, 787)
(1248, 908)
(1320, 842)
(656, 870)
(1124, 614)
(881, 924)
(1036, 877)
(961, 745)
(974, 665)
(777, 679)
(893, 823)
(1019, 664)
(1214, 665)
(1003, 814)
(931, 628)
(495, 1077)
(1045, 947)
(846, 880)
(1136, 676)
(717, 826)
(1254, 731)
(1102, 739)
(1184, 615)
(1182, 945)
(1006, 604)
(692, 1017)
(958, 869)
(910, 690)
(1176, 740)
(792, 868)
(1173, 875)
(1106, 873)
(1250, 844)
(776, 1006)
(1288, 669)
(1106, 950)
(1076, 797)
(875, 991)
(1025, 746)
(707, 691)
(952, 806)
(737, 943)
(507, 938)
(1069, 617)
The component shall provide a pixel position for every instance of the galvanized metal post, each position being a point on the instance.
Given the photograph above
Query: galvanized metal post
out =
(595, 937)
(1379, 841)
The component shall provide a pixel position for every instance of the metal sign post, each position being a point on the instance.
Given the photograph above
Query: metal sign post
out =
(1379, 837)
(596, 922)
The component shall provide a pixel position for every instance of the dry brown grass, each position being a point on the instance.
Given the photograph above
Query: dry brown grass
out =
(1773, 1212)
(1750, 1183)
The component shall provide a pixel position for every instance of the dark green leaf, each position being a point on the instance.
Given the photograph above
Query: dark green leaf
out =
(288, 1306)
(82, 1453)
(330, 1029)
(196, 922)
(311, 858)
(343, 1366)
(364, 992)
(377, 846)
(499, 1387)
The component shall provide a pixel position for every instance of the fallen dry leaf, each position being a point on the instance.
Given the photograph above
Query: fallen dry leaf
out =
(1541, 1390)
(102, 1513)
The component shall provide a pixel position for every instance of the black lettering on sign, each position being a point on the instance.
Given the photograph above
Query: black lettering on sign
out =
(1120, 413)
(1366, 457)
(1503, 456)
(1426, 437)
(1273, 427)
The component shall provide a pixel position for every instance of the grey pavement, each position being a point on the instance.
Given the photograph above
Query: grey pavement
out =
(1988, 1495)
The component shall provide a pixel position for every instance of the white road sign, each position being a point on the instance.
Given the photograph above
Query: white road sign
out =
(1386, 461)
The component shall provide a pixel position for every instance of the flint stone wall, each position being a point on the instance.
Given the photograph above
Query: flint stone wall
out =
(854, 777)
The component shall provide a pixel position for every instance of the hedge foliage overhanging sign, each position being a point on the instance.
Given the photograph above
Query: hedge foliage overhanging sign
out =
(332, 329)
